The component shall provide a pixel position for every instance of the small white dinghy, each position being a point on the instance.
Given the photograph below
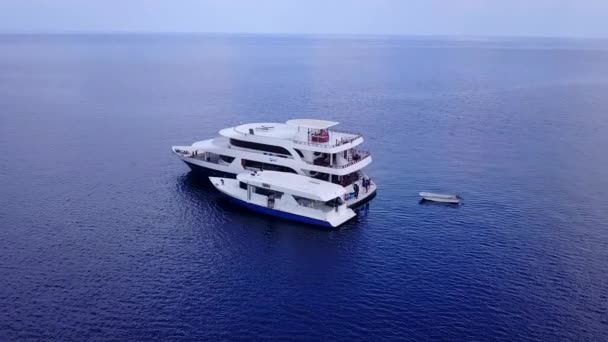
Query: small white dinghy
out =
(443, 198)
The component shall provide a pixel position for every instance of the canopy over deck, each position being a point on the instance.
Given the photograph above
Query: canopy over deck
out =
(312, 123)
(295, 184)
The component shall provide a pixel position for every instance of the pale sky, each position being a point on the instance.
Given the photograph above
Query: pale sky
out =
(582, 18)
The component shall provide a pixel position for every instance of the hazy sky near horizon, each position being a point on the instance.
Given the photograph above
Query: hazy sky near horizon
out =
(582, 18)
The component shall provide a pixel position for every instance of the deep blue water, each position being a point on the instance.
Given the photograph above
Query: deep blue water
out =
(105, 235)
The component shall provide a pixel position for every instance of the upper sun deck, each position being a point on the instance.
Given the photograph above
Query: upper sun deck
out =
(308, 134)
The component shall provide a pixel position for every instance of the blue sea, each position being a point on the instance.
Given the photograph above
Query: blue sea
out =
(105, 235)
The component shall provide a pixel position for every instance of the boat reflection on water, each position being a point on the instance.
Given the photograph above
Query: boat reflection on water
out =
(193, 186)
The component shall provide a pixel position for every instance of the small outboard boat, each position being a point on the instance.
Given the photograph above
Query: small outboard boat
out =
(443, 198)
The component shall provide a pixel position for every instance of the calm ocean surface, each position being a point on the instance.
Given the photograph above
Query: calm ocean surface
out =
(105, 235)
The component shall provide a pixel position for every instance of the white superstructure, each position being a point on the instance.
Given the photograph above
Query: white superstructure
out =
(289, 196)
(306, 147)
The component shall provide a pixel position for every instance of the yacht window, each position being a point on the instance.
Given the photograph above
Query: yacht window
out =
(305, 202)
(318, 175)
(243, 185)
(259, 147)
(347, 179)
(335, 202)
(252, 164)
(226, 159)
(268, 192)
(299, 153)
(215, 158)
(310, 203)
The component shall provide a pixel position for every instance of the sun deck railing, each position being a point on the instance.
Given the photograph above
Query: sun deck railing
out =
(348, 138)
(359, 156)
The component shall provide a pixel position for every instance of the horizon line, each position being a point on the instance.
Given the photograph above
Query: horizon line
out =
(392, 35)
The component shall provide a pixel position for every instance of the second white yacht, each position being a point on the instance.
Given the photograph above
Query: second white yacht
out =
(289, 196)
(306, 147)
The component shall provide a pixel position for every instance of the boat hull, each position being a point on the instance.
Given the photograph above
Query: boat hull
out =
(209, 172)
(281, 214)
(363, 201)
(442, 200)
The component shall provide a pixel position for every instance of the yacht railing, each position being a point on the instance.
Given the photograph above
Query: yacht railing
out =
(357, 134)
(232, 147)
(358, 155)
(348, 138)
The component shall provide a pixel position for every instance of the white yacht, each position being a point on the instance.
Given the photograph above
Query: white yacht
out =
(289, 196)
(306, 147)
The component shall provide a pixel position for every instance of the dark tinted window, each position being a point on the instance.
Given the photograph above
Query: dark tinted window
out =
(259, 147)
(266, 166)
(267, 192)
(227, 159)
